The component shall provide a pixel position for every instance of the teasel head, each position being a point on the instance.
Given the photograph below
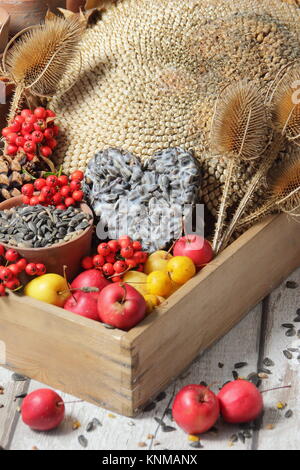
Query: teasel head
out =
(285, 104)
(240, 132)
(283, 192)
(39, 59)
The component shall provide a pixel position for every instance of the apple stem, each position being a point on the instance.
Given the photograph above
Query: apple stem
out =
(61, 403)
(276, 388)
(69, 285)
(125, 293)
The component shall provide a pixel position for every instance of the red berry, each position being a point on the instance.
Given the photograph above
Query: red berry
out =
(29, 146)
(65, 191)
(12, 150)
(103, 249)
(26, 136)
(31, 269)
(28, 189)
(30, 156)
(108, 269)
(52, 181)
(48, 133)
(140, 268)
(31, 119)
(22, 263)
(63, 180)
(27, 127)
(140, 256)
(20, 141)
(75, 185)
(37, 137)
(25, 113)
(116, 279)
(131, 263)
(2, 250)
(20, 119)
(2, 290)
(52, 143)
(69, 201)
(125, 241)
(40, 125)
(15, 126)
(114, 246)
(61, 207)
(11, 255)
(87, 262)
(77, 175)
(46, 151)
(6, 131)
(14, 269)
(11, 138)
(127, 252)
(6, 274)
(98, 261)
(26, 199)
(39, 184)
(55, 130)
(13, 284)
(46, 192)
(50, 113)
(78, 196)
(40, 112)
(137, 246)
(57, 199)
(41, 269)
(111, 258)
(120, 267)
(34, 201)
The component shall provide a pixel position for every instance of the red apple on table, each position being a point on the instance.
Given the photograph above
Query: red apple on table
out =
(43, 410)
(90, 278)
(84, 304)
(196, 248)
(195, 409)
(240, 402)
(121, 306)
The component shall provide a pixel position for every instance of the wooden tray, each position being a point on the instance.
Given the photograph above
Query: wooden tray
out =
(123, 371)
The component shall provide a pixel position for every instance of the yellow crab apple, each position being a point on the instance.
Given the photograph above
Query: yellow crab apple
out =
(50, 288)
(137, 280)
(157, 261)
(152, 301)
(159, 283)
(181, 269)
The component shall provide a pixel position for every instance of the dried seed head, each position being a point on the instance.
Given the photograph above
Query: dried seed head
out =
(40, 58)
(240, 128)
(285, 185)
(285, 105)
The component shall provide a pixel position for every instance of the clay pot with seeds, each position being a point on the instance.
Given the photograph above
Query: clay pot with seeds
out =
(24, 13)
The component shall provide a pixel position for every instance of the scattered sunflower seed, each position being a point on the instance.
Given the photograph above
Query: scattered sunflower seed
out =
(83, 441)
(204, 384)
(90, 427)
(268, 362)
(196, 445)
(288, 414)
(96, 422)
(220, 365)
(290, 332)
(1, 391)
(291, 285)
(169, 413)
(288, 354)
(150, 407)
(261, 375)
(142, 444)
(161, 396)
(241, 437)
(287, 325)
(108, 327)
(247, 434)
(1, 405)
(297, 319)
(150, 436)
(166, 428)
(264, 371)
(240, 365)
(21, 395)
(234, 438)
(235, 375)
(292, 349)
(18, 377)
(159, 421)
(253, 377)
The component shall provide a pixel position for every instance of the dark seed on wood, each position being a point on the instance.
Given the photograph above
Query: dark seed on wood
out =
(166, 428)
(235, 375)
(247, 434)
(253, 377)
(22, 395)
(234, 438)
(290, 332)
(149, 407)
(83, 441)
(109, 327)
(220, 365)
(204, 384)
(264, 371)
(289, 414)
(288, 354)
(161, 396)
(159, 421)
(240, 365)
(96, 422)
(169, 413)
(1, 406)
(293, 349)
(291, 285)
(196, 445)
(18, 377)
(268, 362)
(90, 427)
(287, 325)
(297, 319)
(242, 437)
(259, 382)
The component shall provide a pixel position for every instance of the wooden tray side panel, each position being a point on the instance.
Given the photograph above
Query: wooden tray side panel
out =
(67, 352)
(207, 307)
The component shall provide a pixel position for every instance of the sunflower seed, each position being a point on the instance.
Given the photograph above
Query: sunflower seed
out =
(83, 441)
(288, 354)
(268, 362)
(18, 377)
(240, 365)
(291, 285)
(289, 414)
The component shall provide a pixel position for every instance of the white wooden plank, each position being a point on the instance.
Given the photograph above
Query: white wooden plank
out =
(283, 305)
(120, 433)
(8, 413)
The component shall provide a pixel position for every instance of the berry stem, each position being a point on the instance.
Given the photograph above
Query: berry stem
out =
(276, 388)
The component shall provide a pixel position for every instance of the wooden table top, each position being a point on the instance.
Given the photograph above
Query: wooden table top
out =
(259, 336)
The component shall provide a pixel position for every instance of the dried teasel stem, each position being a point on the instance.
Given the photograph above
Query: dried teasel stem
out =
(239, 133)
(258, 214)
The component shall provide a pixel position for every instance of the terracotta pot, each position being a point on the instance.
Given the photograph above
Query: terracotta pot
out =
(67, 254)
(4, 28)
(24, 13)
(75, 5)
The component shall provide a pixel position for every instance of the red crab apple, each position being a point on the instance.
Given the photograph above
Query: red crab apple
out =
(83, 304)
(90, 278)
(195, 409)
(196, 248)
(240, 402)
(121, 305)
(43, 410)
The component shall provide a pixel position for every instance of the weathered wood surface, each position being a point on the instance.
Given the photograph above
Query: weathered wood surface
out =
(258, 336)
